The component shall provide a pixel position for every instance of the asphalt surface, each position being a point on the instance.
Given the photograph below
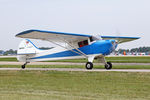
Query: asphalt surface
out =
(64, 63)
(75, 69)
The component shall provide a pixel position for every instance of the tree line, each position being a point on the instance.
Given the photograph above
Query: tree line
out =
(14, 52)
(134, 50)
(8, 52)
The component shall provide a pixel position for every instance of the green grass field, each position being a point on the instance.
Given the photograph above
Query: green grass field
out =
(8, 59)
(139, 59)
(53, 85)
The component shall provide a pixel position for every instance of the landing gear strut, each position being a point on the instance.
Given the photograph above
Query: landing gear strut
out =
(89, 64)
(107, 65)
(24, 65)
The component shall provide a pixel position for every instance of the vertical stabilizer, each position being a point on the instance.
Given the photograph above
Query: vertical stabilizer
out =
(26, 50)
(27, 47)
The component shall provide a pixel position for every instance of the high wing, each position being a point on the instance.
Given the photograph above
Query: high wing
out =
(71, 39)
(120, 39)
(63, 37)
(53, 36)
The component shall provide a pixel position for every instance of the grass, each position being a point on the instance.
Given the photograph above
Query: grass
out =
(8, 59)
(79, 66)
(139, 59)
(53, 85)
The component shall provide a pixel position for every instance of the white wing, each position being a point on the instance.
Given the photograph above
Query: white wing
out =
(53, 36)
(71, 39)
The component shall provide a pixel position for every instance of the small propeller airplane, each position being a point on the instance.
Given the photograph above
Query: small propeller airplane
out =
(76, 46)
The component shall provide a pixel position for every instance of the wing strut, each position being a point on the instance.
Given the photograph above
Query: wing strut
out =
(69, 49)
(81, 53)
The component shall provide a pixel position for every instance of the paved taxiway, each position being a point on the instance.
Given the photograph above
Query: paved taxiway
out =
(64, 63)
(75, 69)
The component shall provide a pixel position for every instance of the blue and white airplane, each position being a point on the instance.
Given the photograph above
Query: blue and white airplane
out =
(76, 46)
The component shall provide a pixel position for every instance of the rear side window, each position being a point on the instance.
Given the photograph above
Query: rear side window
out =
(93, 38)
(83, 43)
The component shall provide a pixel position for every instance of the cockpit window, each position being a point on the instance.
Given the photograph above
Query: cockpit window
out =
(83, 43)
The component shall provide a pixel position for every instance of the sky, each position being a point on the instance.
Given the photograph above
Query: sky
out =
(103, 17)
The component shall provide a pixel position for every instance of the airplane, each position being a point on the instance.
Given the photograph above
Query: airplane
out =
(74, 46)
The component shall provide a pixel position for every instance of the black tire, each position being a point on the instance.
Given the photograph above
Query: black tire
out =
(89, 65)
(23, 66)
(108, 66)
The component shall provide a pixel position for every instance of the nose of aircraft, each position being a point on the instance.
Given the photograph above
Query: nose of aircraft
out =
(104, 47)
(110, 46)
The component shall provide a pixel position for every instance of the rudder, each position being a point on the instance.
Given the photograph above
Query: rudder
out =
(26, 48)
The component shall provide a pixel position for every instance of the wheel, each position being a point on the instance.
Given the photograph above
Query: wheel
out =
(23, 66)
(108, 65)
(89, 65)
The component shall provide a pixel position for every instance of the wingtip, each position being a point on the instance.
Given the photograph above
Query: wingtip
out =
(25, 32)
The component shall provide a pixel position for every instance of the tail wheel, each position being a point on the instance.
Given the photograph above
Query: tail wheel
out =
(89, 65)
(108, 65)
(23, 66)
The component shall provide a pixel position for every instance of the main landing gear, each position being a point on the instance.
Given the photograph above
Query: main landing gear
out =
(89, 65)
(24, 65)
(108, 65)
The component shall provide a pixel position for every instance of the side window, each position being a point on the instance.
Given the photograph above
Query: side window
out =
(83, 43)
(91, 39)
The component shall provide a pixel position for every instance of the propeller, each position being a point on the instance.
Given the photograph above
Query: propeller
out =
(118, 34)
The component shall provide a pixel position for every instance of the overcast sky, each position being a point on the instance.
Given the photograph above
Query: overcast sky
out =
(104, 17)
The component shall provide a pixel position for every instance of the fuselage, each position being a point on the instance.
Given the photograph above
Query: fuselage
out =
(96, 48)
